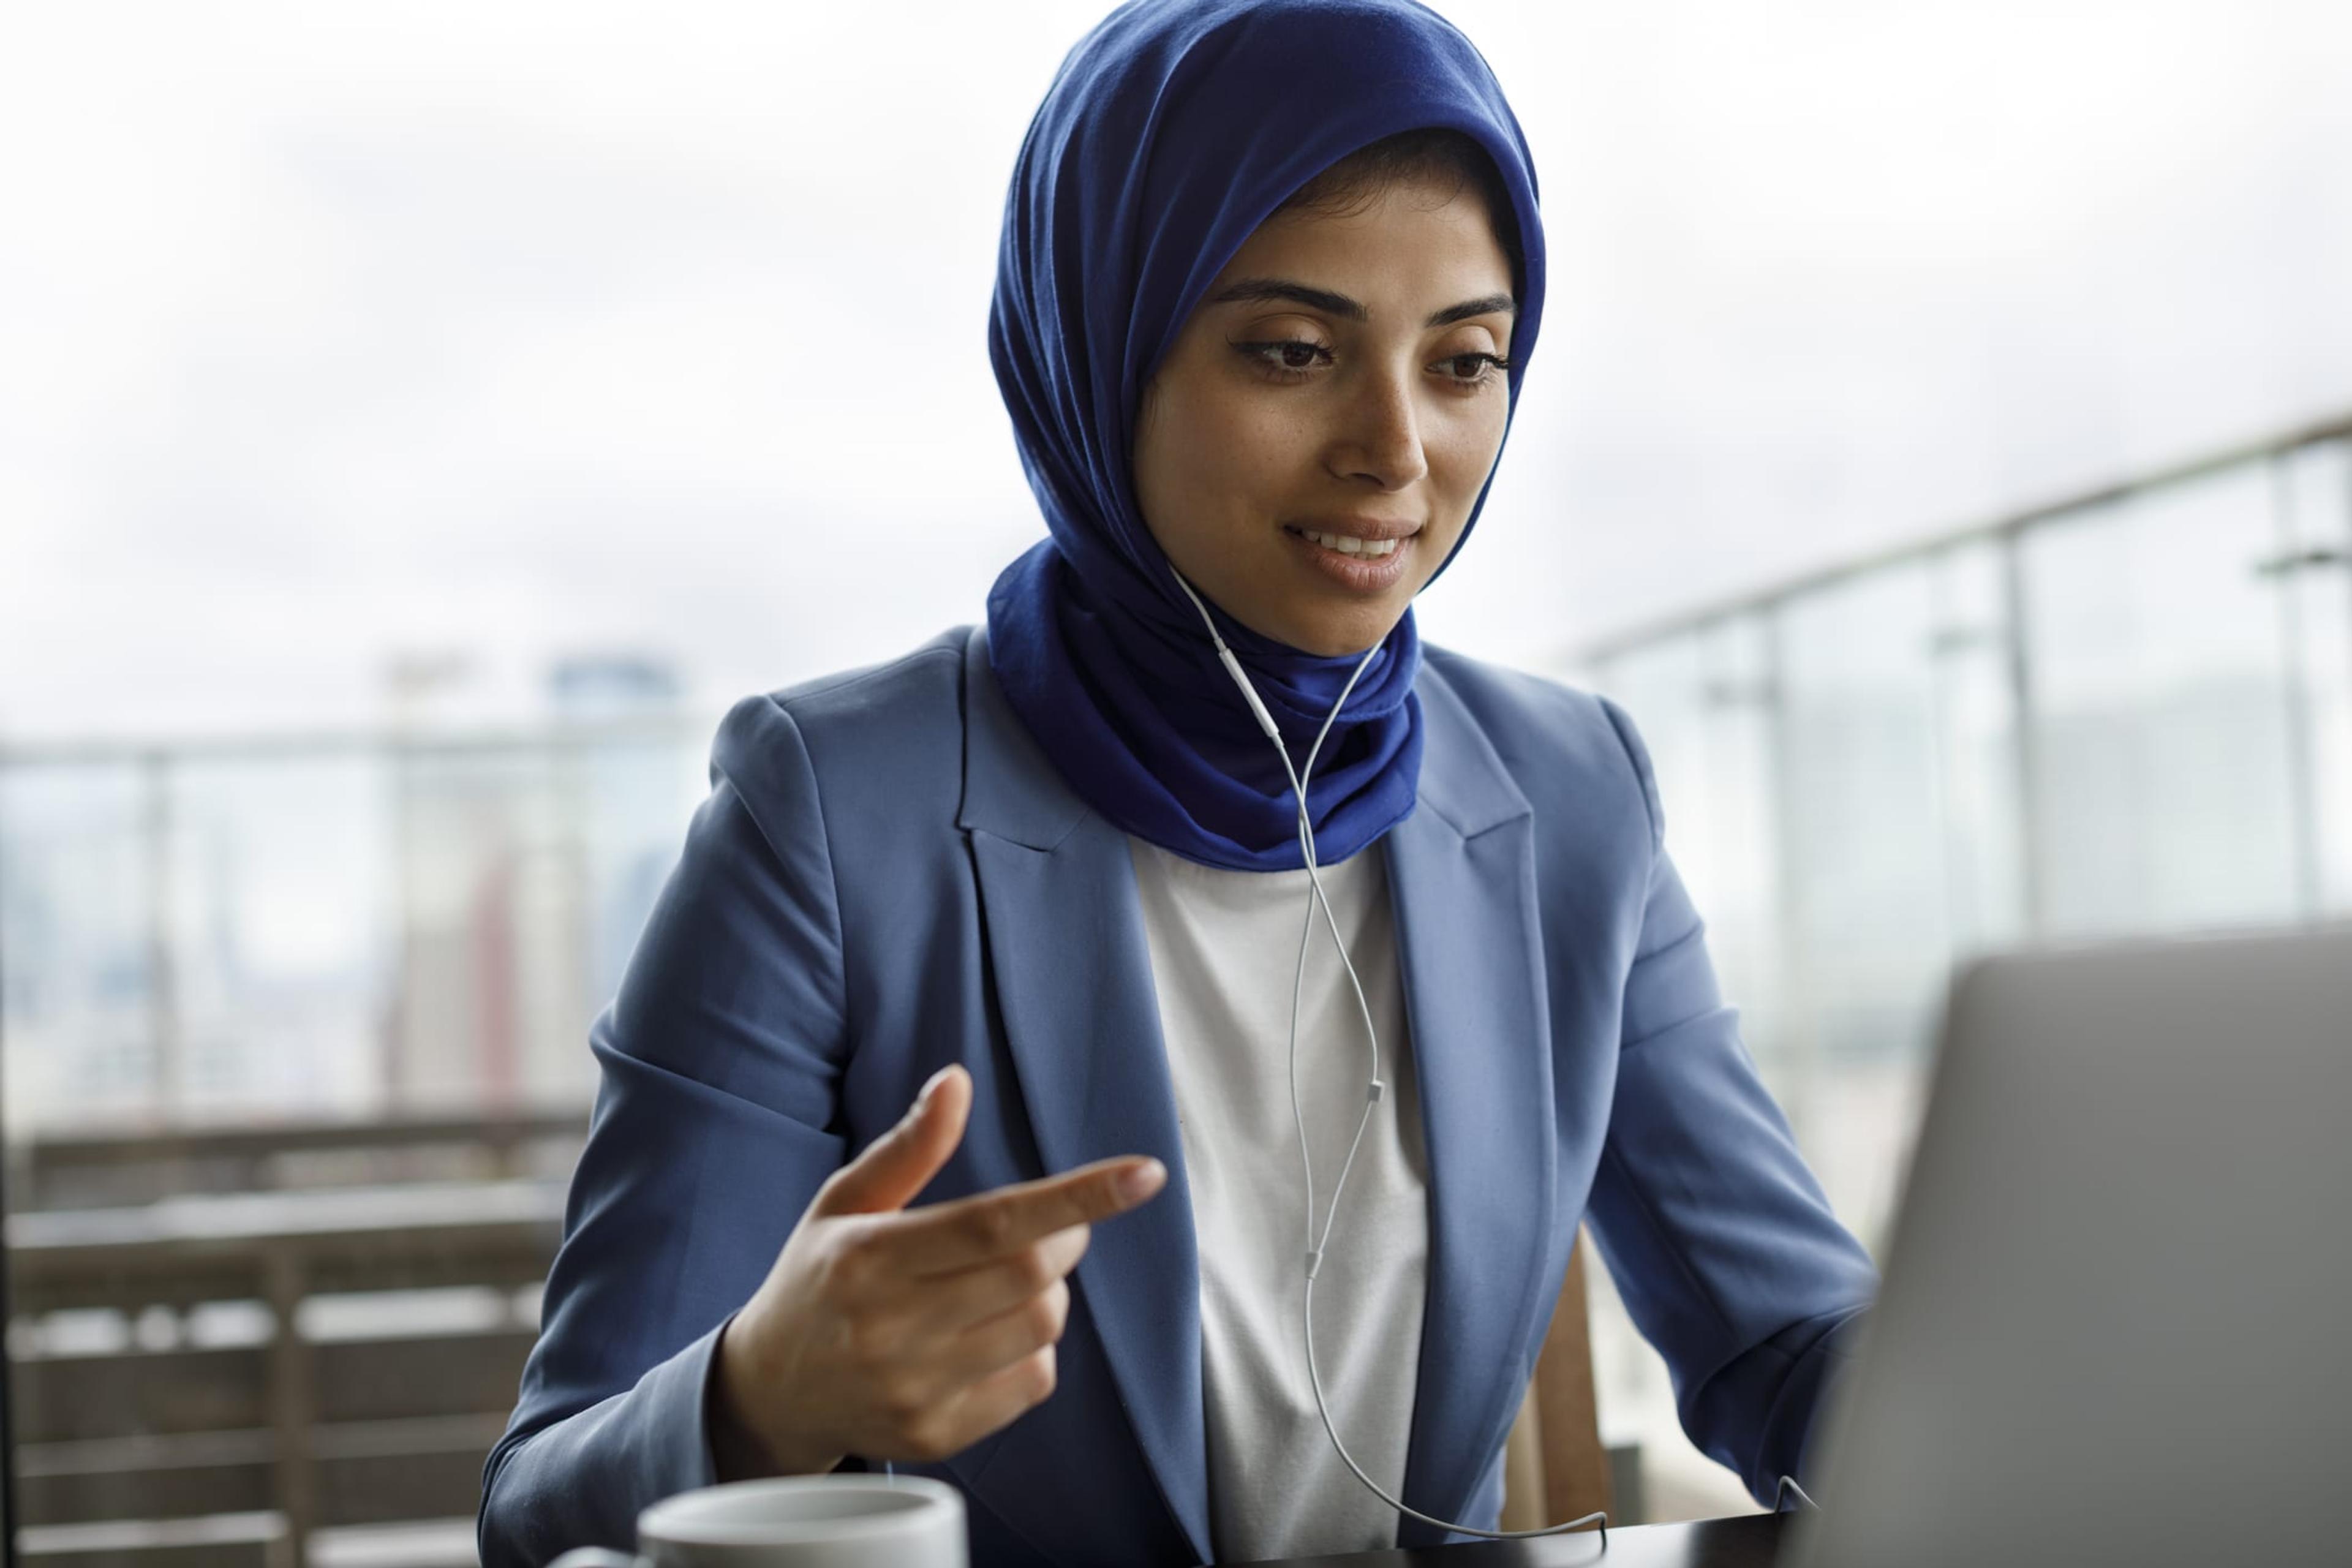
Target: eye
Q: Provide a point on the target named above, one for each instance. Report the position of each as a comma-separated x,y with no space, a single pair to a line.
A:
1286,359
1472,370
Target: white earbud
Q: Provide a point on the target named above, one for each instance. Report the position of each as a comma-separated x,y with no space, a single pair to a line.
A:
1374,1091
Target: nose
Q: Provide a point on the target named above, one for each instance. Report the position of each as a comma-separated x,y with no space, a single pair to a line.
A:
1379,437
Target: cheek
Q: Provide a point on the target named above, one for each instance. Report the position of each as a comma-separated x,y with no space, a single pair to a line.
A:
1461,449
1242,455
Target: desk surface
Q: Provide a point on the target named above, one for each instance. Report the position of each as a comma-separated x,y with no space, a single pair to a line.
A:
1752,1541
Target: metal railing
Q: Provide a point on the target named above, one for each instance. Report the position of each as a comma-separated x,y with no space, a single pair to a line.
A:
1598,651
2126,710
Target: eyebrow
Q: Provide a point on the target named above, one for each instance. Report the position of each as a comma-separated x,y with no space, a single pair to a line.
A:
1262,290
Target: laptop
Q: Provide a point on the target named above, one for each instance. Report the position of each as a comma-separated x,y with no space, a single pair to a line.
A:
2116,1324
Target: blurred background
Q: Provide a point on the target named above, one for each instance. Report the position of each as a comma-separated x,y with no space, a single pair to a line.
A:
421,421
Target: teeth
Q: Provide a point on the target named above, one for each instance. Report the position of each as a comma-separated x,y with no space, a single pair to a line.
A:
1347,545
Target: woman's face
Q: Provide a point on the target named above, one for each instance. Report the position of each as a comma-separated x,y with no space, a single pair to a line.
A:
1309,450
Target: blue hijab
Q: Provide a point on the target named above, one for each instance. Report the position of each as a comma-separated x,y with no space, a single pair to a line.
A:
1173,130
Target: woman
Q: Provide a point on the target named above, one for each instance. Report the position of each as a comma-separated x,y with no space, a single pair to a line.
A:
1271,276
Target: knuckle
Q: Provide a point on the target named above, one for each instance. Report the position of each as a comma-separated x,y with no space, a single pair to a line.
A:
990,1226
1039,1374
1034,1267
1044,1314
1059,1298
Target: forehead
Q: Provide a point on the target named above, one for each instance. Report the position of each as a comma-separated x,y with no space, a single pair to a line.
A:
1408,239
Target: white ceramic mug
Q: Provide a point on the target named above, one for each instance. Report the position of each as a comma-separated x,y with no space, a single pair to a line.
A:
797,1521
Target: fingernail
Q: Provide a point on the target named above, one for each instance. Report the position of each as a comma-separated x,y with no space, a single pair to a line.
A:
1137,1182
931,1088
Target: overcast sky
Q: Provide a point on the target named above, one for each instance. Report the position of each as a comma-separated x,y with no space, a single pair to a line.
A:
331,335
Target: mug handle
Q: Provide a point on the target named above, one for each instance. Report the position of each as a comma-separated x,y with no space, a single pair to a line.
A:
598,1557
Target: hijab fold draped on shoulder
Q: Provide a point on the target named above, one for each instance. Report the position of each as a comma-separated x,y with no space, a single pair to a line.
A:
1171,131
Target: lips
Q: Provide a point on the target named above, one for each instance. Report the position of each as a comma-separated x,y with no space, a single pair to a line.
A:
1364,555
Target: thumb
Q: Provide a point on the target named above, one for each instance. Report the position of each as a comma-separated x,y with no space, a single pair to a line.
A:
901,1163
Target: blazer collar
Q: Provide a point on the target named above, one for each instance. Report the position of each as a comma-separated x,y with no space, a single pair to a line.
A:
1073,969
1010,789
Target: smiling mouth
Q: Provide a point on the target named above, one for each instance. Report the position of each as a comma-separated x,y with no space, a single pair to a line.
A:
1348,544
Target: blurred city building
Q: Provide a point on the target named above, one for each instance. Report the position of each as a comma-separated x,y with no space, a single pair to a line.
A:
416,918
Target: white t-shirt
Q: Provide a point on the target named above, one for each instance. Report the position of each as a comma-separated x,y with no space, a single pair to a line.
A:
1224,948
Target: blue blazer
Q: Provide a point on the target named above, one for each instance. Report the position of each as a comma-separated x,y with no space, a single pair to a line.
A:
889,876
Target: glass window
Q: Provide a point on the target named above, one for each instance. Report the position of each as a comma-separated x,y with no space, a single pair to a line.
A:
2133,718
1861,794
1721,816
2162,769
1703,703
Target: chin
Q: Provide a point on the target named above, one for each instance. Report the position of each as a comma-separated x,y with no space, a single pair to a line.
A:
1343,636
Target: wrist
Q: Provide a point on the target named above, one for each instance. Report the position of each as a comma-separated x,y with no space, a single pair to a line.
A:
741,1446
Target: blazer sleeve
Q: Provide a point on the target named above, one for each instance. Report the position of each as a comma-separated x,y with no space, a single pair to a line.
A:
715,1121
1717,1237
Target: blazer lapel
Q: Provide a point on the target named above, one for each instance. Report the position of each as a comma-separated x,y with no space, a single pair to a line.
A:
1462,871
1073,972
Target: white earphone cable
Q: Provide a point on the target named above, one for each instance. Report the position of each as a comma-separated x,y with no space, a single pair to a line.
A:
1374,1089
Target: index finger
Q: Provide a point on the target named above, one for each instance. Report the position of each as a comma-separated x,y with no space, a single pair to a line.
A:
943,1238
